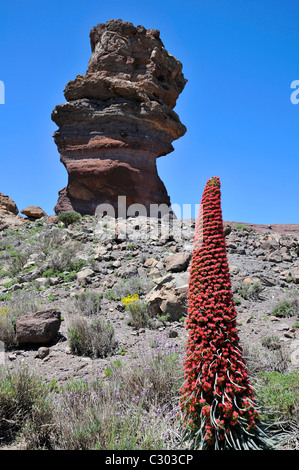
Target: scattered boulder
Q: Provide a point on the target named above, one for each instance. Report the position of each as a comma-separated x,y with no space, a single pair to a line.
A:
150,263
116,264
34,212
83,277
275,257
226,229
41,282
9,213
8,205
295,354
43,352
295,274
234,269
38,328
169,296
52,219
177,262
173,333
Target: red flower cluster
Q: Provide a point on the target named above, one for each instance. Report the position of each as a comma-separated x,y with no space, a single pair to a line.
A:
217,391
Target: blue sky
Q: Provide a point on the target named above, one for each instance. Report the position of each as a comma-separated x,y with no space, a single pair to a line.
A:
240,58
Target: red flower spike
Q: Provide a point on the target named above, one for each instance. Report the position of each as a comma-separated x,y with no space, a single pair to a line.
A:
215,373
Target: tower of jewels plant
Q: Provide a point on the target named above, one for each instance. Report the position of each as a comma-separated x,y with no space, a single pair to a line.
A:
217,399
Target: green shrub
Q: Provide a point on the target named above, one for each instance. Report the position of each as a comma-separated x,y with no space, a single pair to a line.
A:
271,342
77,265
10,283
17,262
88,302
63,259
240,227
69,217
134,284
22,396
95,339
7,330
4,273
280,395
131,247
138,316
134,408
250,291
49,273
288,306
68,277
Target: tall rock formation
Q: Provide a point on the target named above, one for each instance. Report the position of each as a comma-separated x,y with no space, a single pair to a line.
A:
118,119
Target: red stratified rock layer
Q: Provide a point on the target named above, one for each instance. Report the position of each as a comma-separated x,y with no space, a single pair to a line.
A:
118,119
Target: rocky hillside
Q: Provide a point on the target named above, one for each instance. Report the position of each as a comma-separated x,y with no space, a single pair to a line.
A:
86,269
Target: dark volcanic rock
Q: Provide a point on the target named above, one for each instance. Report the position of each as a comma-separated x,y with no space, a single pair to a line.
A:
118,120
38,328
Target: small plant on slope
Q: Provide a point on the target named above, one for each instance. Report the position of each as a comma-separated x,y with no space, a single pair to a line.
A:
217,398
137,310
69,217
